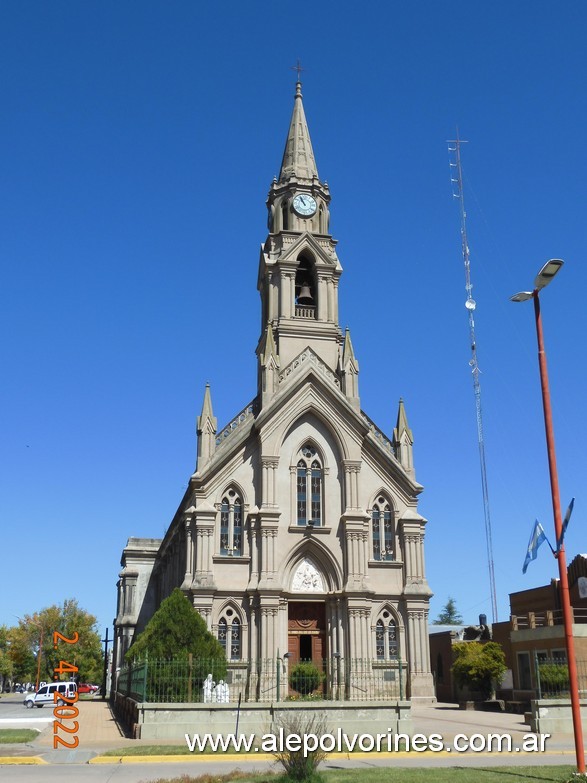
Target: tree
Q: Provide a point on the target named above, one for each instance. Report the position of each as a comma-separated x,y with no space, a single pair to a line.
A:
449,614
479,666
24,666
163,649
6,665
85,654
175,630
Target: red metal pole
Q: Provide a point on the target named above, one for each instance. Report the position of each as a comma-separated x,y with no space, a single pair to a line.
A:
562,561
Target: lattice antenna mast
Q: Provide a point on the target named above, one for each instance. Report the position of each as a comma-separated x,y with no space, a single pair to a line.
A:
456,178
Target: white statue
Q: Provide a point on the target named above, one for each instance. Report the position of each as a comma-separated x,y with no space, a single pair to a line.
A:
209,689
221,692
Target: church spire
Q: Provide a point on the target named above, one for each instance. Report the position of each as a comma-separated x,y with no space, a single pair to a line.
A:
206,429
299,270
298,156
403,440
269,366
350,371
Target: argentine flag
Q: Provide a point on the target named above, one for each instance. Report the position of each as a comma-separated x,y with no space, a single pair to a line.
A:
566,521
538,537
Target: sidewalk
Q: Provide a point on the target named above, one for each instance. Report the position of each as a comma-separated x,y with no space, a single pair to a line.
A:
97,728
449,720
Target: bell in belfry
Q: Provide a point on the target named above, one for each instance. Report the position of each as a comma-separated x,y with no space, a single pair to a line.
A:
305,297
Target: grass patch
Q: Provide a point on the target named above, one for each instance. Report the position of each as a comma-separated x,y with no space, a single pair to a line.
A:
557,774
151,750
452,775
236,775
8,736
181,750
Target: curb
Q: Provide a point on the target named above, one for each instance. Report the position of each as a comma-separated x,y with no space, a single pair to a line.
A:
360,756
31,760
207,758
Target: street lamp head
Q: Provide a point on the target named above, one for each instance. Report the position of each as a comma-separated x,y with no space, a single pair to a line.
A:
543,278
523,296
547,272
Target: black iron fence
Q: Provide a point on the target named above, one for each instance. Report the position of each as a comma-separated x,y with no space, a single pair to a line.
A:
553,678
223,682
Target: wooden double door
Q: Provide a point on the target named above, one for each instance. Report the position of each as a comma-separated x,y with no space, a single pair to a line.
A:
306,632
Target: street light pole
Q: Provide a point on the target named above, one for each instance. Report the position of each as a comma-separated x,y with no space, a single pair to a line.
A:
39,657
543,278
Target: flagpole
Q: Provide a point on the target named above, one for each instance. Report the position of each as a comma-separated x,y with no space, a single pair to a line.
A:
561,557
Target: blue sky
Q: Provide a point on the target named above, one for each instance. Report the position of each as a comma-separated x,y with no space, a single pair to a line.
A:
138,141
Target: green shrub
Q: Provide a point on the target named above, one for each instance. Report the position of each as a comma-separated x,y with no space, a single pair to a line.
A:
554,677
305,677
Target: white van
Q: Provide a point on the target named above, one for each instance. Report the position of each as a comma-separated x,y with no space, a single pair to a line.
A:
45,694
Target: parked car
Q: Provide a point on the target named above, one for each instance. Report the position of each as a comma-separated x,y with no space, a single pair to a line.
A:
86,687
45,694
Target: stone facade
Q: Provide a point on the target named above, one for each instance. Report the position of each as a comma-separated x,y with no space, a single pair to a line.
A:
299,530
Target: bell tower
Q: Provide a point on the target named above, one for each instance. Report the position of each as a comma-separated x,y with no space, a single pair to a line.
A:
298,268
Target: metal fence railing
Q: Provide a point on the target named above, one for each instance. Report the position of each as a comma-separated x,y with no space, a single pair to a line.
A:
273,679
552,678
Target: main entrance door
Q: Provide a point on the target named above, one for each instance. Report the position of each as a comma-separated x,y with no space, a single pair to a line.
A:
306,630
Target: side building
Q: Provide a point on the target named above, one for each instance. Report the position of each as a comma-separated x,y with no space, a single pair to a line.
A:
299,532
535,633
533,637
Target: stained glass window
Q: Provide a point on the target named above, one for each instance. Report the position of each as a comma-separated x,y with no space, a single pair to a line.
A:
380,640
382,532
386,644
231,525
235,640
224,527
230,637
309,487
223,633
301,493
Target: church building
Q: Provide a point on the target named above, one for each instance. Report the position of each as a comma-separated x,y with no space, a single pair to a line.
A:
299,531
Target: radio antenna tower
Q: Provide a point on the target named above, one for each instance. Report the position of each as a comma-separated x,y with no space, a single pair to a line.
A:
456,179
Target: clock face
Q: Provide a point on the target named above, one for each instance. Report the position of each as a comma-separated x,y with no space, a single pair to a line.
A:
304,204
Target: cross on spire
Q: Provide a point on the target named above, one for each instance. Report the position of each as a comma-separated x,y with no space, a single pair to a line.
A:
299,69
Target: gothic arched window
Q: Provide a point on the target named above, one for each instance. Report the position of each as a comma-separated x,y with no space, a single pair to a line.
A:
386,643
382,531
231,525
309,487
284,215
230,636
